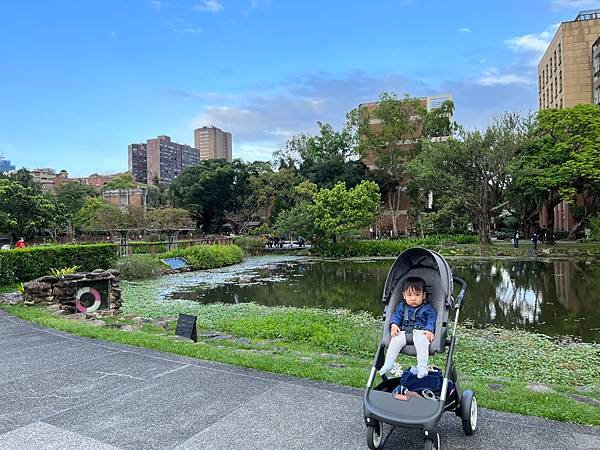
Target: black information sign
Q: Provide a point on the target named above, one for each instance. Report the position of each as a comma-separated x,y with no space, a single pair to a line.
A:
186,327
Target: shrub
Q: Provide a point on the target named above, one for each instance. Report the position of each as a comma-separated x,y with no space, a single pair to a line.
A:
251,244
388,247
29,263
139,267
64,271
595,228
208,256
143,247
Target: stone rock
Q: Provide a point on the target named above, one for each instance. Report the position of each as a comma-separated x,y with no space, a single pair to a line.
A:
305,359
37,286
59,312
92,275
98,271
11,299
587,388
76,316
335,366
495,387
539,387
97,323
180,338
73,276
586,400
242,341
48,279
130,328
54,307
114,272
220,337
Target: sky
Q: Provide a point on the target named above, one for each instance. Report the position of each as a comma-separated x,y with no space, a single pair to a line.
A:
82,79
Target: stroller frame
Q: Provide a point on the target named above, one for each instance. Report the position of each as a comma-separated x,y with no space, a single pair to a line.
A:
379,406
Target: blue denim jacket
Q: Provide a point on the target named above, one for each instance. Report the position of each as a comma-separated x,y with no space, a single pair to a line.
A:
421,318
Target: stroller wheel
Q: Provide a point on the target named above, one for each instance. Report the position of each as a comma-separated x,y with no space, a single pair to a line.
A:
432,442
374,435
468,412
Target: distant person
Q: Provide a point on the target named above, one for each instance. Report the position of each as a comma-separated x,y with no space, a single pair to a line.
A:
534,240
543,234
20,243
516,239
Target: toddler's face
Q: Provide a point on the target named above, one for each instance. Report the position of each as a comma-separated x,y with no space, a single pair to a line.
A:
413,297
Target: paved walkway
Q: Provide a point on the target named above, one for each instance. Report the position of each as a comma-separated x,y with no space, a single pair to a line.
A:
63,391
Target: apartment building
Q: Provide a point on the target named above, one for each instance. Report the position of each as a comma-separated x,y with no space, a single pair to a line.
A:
160,160
213,143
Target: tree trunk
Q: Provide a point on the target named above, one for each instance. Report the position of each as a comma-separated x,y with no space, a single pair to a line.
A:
393,213
484,228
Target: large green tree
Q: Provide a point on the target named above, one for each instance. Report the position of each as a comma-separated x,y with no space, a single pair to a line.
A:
565,163
210,189
26,211
121,181
339,210
475,166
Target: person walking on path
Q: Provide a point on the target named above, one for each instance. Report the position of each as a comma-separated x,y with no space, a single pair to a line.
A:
20,243
534,240
516,239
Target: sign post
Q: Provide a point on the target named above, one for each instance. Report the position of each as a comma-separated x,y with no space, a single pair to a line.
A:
186,327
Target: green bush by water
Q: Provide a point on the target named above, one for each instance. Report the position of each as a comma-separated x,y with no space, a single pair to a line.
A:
252,245
388,247
139,267
208,256
29,263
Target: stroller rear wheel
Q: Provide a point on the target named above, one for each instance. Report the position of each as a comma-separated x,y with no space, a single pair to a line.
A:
374,435
432,442
468,412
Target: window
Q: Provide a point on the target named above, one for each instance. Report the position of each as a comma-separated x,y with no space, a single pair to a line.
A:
560,78
550,63
546,73
559,55
551,91
556,86
539,83
554,59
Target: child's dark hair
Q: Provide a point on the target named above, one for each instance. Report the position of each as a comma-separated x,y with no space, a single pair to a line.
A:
414,283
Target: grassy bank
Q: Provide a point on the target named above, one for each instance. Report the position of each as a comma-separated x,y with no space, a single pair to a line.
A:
337,346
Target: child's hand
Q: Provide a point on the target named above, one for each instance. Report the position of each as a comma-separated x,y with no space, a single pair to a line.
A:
429,335
395,330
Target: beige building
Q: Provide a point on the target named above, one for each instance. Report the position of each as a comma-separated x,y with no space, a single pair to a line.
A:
566,71
213,143
568,75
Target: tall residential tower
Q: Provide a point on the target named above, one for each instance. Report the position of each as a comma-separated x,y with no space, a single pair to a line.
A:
213,143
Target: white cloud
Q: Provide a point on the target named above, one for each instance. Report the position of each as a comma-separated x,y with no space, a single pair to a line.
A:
112,33
535,42
182,26
492,77
464,30
559,4
155,4
209,6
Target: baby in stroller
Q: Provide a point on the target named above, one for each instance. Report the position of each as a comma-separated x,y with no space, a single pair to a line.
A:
415,316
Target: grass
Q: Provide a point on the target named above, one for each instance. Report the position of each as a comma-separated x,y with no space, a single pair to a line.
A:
8,288
337,346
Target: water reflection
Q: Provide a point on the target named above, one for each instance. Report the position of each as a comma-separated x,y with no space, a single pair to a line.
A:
553,298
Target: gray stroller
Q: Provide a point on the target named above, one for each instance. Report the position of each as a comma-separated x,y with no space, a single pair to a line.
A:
379,405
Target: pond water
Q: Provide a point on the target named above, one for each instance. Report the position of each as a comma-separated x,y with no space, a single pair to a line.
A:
554,298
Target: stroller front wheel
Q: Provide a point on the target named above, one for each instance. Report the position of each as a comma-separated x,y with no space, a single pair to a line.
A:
374,434
468,412
432,443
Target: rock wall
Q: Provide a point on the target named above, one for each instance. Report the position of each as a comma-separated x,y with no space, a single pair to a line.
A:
59,293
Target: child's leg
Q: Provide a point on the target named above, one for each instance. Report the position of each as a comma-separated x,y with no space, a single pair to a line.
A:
422,346
396,344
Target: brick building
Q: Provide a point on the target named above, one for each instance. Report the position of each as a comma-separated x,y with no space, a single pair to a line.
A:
213,143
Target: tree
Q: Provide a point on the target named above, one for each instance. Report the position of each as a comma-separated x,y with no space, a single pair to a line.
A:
565,163
121,181
72,195
474,166
387,135
339,210
169,218
210,188
25,211
98,214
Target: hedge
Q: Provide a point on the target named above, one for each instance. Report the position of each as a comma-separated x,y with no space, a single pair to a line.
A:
208,256
30,263
252,245
365,248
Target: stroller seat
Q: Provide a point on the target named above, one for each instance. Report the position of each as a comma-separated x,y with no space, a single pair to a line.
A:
438,296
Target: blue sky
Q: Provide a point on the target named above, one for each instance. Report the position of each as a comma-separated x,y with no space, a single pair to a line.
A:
81,79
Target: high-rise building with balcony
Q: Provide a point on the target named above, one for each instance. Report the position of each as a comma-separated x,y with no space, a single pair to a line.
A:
5,165
567,70
160,160
213,143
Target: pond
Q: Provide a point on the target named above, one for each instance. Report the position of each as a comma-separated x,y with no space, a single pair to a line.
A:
553,298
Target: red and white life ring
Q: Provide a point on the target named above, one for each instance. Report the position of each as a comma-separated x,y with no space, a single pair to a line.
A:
94,293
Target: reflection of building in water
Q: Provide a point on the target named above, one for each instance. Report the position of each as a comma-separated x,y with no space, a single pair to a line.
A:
512,297
564,273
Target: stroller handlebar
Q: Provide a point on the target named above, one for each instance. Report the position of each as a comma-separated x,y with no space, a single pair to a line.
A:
463,289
